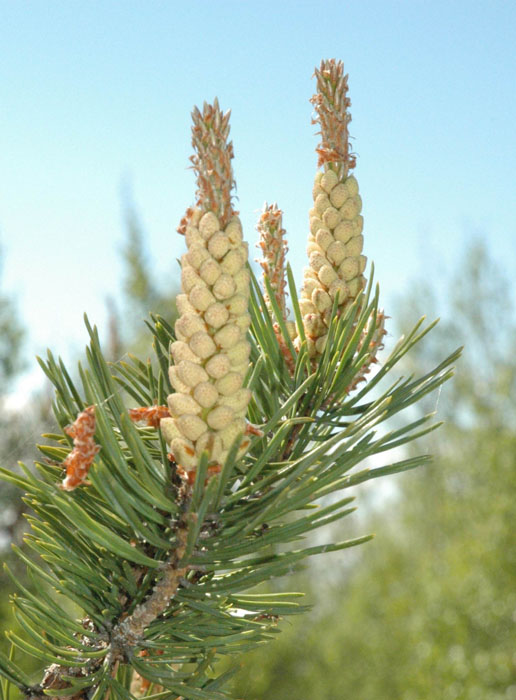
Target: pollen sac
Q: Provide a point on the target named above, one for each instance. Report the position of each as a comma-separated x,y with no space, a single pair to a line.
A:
197,255
320,343
218,245
234,231
190,278
228,335
315,224
314,247
202,345
229,434
356,285
327,275
317,189
229,384
188,324
328,180
331,217
183,451
191,426
321,300
336,252
314,325
350,209
216,315
236,401
191,374
291,329
338,195
209,442
193,236
232,262
237,305
339,287
208,225
324,238
239,354
306,306
348,270
224,287
242,282
243,322
344,231
180,351
179,404
169,429
210,271
206,394
309,286
201,297
358,225
218,366
317,260
220,417
177,384
354,246
321,203
352,185
183,305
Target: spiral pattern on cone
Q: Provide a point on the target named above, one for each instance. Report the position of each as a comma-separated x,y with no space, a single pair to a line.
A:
211,354
336,263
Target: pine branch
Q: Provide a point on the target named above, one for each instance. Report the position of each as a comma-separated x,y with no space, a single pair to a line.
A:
129,631
209,484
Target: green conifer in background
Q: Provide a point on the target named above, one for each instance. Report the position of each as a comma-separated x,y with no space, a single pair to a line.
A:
240,440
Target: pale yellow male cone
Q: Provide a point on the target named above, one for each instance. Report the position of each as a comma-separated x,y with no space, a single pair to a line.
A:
211,353
210,357
336,263
335,242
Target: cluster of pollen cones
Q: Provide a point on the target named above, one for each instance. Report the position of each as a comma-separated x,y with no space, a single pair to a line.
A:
211,354
206,412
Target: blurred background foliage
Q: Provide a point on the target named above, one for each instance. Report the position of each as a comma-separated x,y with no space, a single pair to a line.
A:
427,610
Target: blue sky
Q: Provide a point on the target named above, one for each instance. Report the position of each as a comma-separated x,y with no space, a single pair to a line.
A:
97,94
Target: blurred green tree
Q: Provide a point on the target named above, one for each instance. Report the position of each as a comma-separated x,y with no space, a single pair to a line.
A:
429,610
141,291
11,363
11,339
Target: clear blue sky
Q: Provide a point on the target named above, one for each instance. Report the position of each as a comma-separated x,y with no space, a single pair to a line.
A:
95,93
